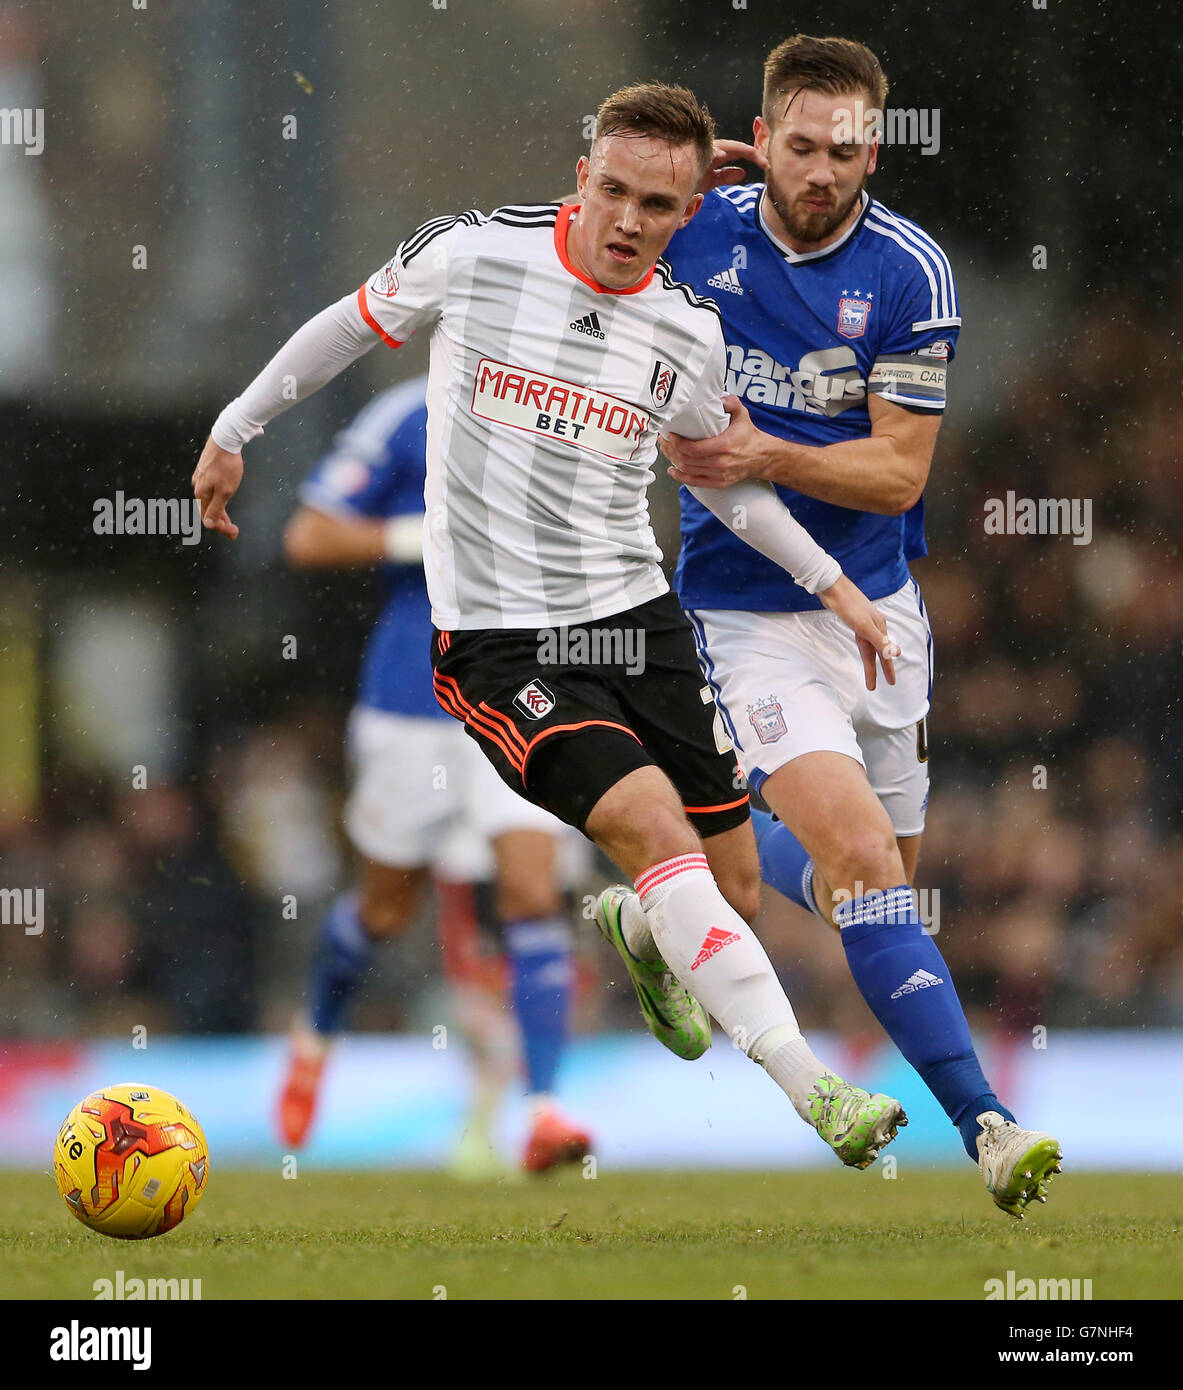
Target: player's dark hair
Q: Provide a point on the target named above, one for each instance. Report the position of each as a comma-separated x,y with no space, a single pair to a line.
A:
831,66
663,112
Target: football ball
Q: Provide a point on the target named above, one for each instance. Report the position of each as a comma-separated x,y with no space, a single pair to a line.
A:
131,1161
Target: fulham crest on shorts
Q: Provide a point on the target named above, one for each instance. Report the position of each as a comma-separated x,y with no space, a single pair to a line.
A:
534,700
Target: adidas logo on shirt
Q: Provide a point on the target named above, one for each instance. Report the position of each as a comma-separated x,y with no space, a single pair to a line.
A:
920,980
726,280
715,940
589,324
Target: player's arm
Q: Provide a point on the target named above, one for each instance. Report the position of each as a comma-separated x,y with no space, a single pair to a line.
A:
754,511
405,294
884,472
311,357
315,539
722,171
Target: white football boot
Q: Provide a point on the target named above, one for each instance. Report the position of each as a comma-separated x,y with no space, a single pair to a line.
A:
1017,1164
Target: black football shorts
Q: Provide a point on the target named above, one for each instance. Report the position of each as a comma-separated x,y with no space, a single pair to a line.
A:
564,713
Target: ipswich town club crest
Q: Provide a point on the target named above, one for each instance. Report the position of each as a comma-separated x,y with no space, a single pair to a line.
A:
768,719
661,383
852,317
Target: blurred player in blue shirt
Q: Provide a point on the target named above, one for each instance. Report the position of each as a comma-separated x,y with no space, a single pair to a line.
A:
424,801
840,319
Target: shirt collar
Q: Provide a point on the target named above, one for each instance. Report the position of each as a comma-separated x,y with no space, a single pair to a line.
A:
800,257
570,212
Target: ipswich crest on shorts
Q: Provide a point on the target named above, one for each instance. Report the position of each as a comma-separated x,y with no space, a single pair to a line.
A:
661,383
768,719
852,317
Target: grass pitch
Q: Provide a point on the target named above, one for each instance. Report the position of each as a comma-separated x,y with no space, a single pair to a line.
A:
674,1235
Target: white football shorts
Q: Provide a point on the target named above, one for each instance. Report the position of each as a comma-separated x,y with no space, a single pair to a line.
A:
423,794
792,683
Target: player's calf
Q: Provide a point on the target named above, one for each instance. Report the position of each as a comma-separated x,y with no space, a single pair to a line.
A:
735,864
388,899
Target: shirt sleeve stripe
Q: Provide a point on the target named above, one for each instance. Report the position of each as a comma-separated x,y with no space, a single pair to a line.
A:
924,242
924,265
364,309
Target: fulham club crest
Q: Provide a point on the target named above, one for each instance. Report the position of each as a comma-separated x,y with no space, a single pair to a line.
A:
852,317
661,383
534,700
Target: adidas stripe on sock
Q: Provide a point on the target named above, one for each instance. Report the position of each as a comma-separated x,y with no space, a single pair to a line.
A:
716,955
908,987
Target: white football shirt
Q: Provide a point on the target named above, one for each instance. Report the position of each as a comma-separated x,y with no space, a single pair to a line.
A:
545,398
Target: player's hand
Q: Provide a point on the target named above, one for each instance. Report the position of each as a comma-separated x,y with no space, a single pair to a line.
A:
215,481
869,626
722,171
726,458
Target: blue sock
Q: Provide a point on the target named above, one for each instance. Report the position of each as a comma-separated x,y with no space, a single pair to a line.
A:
906,983
343,955
784,865
539,953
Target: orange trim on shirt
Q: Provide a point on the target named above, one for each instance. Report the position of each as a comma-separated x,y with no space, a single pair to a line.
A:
562,223
372,321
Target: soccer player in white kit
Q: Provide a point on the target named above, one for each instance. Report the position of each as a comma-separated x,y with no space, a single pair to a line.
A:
561,347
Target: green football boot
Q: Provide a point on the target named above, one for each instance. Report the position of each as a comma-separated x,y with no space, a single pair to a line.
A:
854,1124
675,1018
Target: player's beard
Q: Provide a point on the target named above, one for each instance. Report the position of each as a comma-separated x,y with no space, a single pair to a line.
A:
804,225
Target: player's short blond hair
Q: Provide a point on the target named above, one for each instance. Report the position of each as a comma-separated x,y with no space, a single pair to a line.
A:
663,112
831,66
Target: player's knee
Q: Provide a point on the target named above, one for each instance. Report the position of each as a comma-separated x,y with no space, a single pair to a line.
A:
660,834
522,896
384,917
862,859
640,822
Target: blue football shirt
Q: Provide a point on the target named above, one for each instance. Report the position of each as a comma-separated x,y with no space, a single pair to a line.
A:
376,469
809,338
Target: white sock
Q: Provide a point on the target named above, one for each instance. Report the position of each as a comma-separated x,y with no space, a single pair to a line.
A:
788,1059
634,927
716,955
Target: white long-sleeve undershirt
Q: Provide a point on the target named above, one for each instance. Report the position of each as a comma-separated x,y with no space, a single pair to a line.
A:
756,514
336,337
310,358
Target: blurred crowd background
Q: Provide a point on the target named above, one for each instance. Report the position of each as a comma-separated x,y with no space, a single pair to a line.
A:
170,759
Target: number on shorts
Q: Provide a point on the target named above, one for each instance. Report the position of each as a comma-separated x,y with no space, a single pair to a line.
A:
722,743
922,741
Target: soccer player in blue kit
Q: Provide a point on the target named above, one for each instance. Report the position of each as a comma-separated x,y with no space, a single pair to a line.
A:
424,799
840,319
